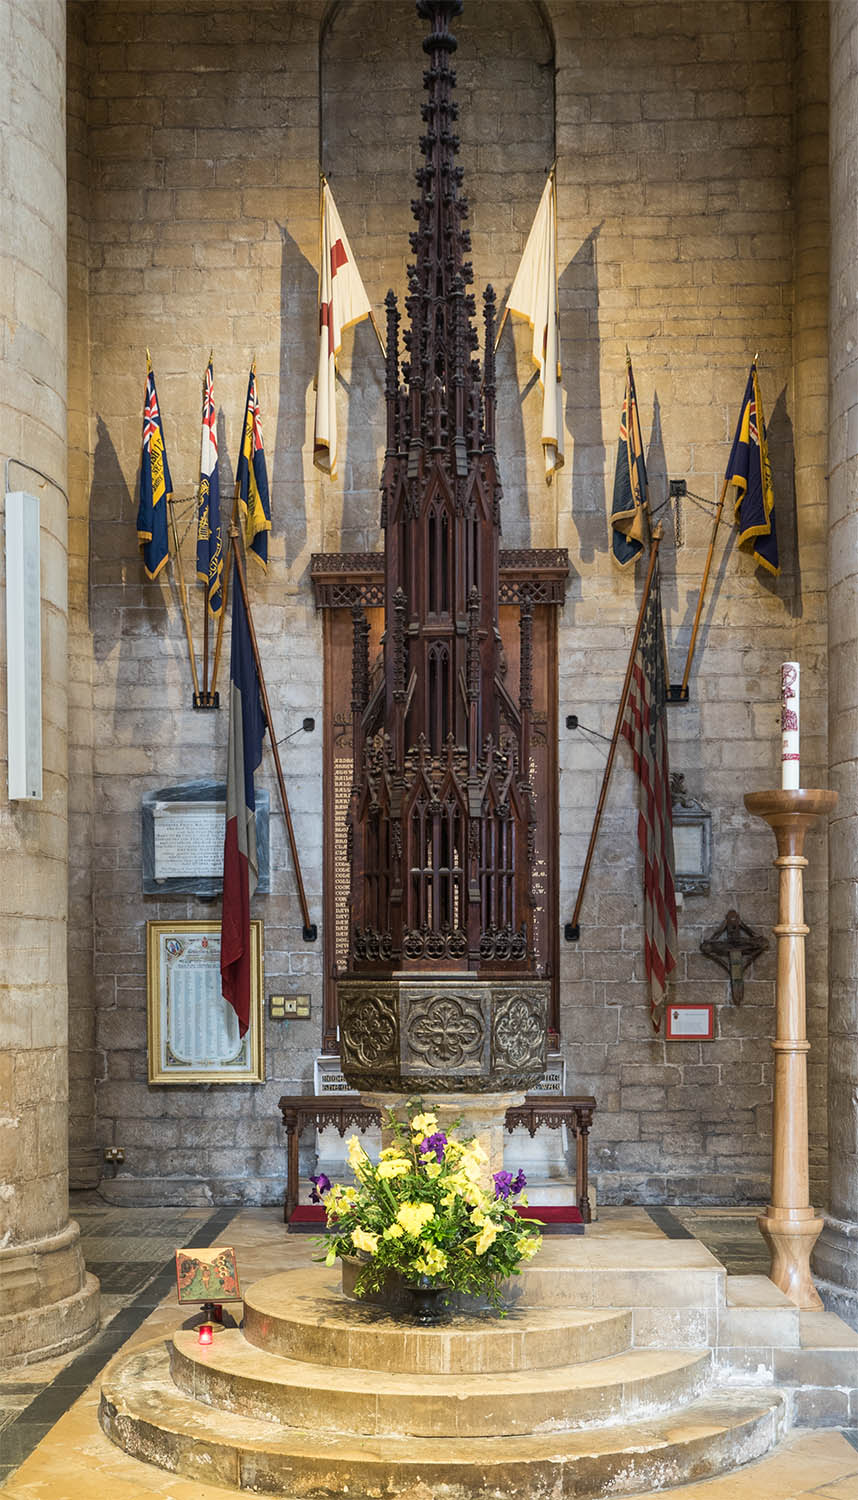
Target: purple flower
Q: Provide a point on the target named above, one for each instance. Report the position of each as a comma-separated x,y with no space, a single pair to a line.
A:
435,1143
503,1184
506,1187
321,1184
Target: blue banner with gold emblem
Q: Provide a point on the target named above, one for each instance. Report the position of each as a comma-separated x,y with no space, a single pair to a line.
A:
630,499
209,533
156,486
252,479
750,471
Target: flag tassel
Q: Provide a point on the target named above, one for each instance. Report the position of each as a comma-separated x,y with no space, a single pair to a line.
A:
572,928
309,927
706,570
176,557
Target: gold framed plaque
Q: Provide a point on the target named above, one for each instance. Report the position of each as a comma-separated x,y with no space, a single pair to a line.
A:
193,1031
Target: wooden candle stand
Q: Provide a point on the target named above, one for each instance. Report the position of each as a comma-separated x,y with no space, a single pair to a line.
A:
789,1225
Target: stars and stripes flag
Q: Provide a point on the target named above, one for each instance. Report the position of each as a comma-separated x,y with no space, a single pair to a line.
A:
247,725
252,479
750,471
209,530
644,727
630,499
342,302
533,295
156,486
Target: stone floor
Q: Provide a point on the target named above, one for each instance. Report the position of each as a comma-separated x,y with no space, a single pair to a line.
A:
51,1447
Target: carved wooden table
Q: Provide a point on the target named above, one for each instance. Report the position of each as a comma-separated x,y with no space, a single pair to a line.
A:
319,1110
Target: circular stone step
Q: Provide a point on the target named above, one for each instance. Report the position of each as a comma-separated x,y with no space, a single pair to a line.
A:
237,1377
143,1413
304,1315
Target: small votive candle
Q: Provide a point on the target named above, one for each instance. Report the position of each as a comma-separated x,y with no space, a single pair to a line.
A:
206,1333
790,764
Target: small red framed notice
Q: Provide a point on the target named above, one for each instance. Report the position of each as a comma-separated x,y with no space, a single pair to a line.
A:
690,1023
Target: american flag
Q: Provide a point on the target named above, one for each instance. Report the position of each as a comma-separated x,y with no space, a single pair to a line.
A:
645,729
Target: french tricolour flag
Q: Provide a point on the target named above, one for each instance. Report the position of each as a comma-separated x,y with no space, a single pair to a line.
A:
247,725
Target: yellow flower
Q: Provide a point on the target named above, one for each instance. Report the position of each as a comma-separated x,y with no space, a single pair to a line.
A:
487,1236
529,1246
393,1232
365,1240
390,1153
478,1218
358,1159
433,1169
394,1168
431,1261
423,1125
414,1216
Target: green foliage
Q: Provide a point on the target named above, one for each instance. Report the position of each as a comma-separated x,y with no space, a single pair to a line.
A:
424,1210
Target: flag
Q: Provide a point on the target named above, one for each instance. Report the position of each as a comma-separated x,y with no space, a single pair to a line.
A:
209,533
644,726
156,486
342,301
240,867
252,479
628,507
750,471
533,295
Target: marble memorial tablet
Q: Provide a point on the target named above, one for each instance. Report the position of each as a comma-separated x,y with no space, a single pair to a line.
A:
183,830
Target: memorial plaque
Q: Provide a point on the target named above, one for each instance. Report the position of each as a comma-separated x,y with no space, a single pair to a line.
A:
553,1080
193,1031
183,832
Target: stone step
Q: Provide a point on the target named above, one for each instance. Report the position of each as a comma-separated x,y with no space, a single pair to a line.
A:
237,1377
302,1314
142,1412
622,1271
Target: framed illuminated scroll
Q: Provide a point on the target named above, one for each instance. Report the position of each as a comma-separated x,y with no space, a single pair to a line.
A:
193,1031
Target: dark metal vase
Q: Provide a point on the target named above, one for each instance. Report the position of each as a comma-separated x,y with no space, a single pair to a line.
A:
426,1301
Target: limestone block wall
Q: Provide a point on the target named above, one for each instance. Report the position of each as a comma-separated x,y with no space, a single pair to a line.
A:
679,146
48,1303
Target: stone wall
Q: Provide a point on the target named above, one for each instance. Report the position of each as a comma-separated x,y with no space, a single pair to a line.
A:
679,146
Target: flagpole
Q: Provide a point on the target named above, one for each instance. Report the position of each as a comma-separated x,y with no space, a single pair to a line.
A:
377,333
309,927
696,626
572,929
183,597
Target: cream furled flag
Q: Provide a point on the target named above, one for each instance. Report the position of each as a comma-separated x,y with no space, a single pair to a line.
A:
342,301
534,296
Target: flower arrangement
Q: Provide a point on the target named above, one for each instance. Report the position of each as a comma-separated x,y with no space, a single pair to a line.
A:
422,1212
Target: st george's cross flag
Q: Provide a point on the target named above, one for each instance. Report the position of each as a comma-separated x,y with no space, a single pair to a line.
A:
750,471
247,725
209,531
342,302
644,726
630,498
156,486
252,479
533,295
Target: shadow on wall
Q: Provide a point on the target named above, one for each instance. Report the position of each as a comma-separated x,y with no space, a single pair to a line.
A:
782,459
579,292
514,364
299,324
661,509
361,452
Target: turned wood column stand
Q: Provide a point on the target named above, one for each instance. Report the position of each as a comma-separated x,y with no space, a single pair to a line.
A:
789,1225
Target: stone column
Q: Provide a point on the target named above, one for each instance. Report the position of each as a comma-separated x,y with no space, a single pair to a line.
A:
836,1258
48,1303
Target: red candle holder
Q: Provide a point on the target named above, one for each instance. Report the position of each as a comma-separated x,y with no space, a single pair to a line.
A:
206,1333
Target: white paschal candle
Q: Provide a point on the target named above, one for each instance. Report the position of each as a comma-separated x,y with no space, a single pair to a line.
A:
790,767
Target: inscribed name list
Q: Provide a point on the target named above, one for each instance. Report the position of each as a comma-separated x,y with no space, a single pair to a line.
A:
188,839
201,1029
